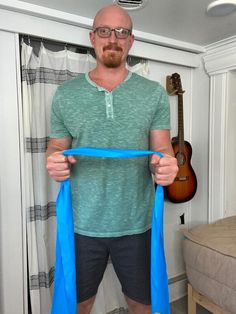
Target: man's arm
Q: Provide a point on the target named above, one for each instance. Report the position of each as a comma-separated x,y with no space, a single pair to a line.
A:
58,166
166,168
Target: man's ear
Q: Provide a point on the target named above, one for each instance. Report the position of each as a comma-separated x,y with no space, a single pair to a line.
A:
131,40
91,37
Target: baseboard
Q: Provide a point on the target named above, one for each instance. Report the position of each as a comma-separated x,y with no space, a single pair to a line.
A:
178,289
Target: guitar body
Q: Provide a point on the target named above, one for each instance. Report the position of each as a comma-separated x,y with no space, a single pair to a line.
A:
184,187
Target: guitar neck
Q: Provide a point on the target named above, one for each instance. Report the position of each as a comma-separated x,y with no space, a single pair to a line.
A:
180,123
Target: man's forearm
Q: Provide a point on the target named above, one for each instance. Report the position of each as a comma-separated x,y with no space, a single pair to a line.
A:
57,145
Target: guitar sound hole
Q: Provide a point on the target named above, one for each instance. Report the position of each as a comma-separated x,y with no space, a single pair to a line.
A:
180,159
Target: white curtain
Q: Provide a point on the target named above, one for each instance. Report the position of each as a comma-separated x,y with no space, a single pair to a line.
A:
41,74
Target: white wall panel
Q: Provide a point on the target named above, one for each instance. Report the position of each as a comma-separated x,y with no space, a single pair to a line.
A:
220,63
200,98
195,83
230,147
11,227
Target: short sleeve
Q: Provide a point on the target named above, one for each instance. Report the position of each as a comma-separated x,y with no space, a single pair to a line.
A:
161,119
58,128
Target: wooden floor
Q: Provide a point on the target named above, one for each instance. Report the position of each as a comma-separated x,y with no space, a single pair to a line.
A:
181,307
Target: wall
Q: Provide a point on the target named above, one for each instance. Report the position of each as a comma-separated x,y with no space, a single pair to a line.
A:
220,63
13,279
195,82
164,61
230,149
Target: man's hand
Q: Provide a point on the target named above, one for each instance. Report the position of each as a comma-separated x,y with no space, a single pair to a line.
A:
164,169
58,166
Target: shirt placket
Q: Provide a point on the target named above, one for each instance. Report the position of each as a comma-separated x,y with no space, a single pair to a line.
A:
109,105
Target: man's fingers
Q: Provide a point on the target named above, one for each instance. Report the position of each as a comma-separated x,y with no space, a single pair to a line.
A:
165,169
72,159
58,166
155,159
57,157
60,178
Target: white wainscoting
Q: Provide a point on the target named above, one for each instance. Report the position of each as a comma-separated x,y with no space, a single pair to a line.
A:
220,63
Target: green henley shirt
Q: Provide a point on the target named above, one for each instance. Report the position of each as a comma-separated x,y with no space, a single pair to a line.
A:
110,197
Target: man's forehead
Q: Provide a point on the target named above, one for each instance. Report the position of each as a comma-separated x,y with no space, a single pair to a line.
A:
112,14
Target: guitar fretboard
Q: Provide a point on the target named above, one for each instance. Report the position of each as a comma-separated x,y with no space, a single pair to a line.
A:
180,123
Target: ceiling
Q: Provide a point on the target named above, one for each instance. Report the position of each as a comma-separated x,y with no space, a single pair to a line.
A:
184,20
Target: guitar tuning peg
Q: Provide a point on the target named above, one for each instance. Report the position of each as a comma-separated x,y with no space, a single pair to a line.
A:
169,86
175,92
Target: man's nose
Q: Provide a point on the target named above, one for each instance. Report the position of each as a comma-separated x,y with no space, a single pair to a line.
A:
113,37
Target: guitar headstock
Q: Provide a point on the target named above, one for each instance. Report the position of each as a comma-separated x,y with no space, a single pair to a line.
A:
174,85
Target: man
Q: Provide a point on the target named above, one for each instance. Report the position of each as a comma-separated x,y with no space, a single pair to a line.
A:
112,198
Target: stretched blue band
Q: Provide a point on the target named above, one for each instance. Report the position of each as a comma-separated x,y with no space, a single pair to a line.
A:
64,297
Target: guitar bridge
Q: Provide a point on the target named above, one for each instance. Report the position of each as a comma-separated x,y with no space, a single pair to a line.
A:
182,178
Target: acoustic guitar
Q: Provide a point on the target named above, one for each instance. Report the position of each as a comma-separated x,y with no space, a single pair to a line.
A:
184,187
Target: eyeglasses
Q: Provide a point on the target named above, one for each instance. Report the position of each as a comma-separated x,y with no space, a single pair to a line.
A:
105,32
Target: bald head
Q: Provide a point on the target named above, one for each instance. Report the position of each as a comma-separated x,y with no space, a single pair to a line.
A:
114,12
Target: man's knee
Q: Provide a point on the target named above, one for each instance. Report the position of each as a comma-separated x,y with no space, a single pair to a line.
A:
85,307
137,308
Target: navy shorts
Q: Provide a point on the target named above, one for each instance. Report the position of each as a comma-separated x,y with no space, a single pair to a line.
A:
130,257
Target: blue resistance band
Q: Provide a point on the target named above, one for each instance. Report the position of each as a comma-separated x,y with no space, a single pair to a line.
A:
64,297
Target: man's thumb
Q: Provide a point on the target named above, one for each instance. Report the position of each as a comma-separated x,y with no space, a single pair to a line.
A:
72,159
155,159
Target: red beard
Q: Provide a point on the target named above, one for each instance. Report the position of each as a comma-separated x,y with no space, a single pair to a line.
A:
112,56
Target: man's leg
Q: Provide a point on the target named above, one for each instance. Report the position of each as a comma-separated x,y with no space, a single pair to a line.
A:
137,308
131,260
85,307
91,256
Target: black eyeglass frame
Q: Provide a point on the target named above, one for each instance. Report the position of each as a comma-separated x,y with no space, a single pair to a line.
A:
117,31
